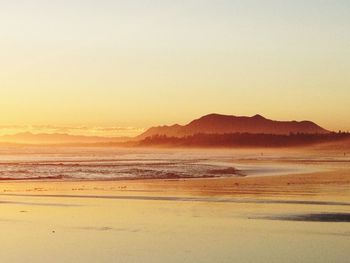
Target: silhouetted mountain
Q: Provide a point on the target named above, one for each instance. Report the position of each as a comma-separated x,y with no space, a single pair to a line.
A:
223,124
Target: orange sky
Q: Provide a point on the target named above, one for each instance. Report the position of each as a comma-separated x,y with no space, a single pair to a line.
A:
128,65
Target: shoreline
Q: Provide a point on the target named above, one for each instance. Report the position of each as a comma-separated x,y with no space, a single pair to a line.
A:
113,221
325,185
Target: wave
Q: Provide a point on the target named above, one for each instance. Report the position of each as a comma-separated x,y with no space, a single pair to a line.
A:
96,165
57,177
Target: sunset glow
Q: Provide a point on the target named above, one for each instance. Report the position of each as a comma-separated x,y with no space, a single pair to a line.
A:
145,63
174,131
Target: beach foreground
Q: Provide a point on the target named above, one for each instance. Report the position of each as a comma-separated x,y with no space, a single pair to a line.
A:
291,218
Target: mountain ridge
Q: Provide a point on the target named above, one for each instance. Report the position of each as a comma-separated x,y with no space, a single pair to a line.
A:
215,123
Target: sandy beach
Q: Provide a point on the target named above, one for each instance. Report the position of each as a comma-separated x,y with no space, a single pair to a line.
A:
287,218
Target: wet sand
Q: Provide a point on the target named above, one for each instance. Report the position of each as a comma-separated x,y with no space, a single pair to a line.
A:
290,218
326,185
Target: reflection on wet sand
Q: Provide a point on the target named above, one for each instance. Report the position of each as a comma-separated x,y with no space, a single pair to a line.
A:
177,199
316,217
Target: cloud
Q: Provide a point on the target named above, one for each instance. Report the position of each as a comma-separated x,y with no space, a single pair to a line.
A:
110,131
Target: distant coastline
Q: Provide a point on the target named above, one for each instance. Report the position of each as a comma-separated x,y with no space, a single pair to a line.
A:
209,131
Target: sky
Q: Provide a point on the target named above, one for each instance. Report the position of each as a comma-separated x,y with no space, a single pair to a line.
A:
99,65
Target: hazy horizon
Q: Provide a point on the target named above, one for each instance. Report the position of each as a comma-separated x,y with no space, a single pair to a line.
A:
99,131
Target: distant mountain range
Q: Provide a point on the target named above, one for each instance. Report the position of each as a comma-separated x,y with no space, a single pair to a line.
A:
224,128
228,124
57,138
